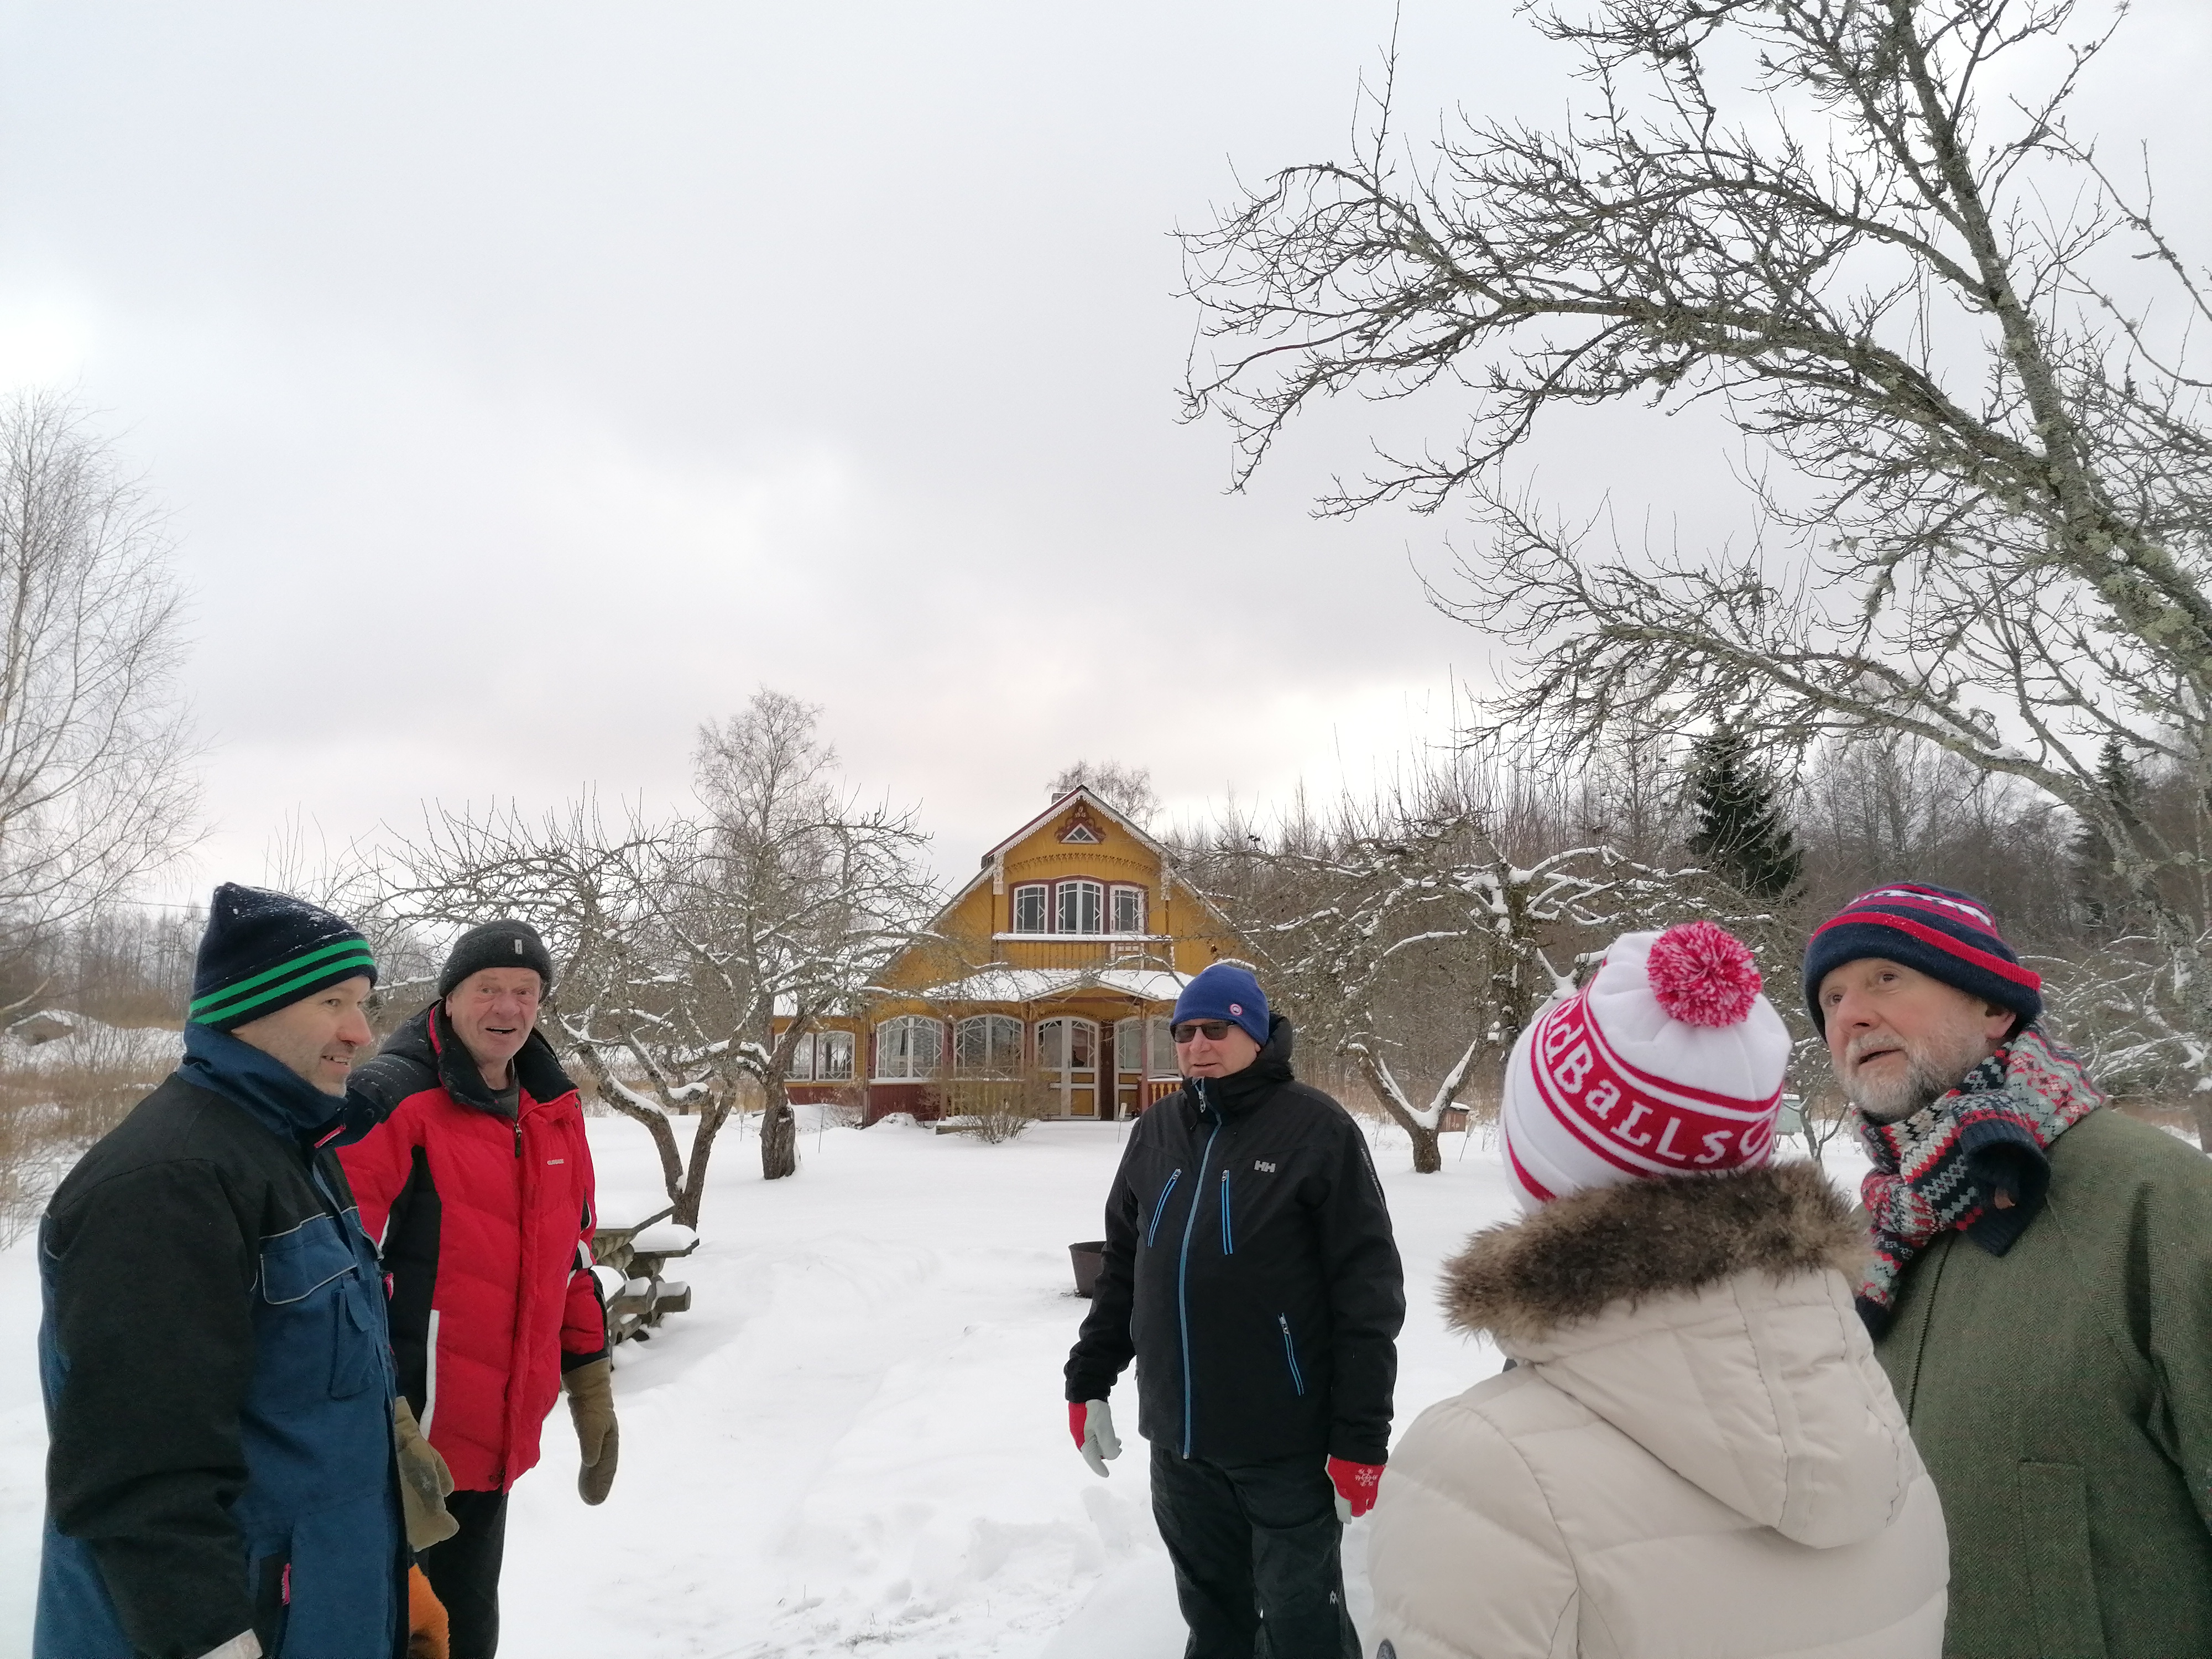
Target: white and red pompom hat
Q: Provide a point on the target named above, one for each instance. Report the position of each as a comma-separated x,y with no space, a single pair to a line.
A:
1668,1062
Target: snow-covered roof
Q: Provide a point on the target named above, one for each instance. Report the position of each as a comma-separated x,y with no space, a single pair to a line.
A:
1037,984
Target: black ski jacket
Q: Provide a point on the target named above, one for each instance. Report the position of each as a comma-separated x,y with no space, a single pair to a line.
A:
1250,1273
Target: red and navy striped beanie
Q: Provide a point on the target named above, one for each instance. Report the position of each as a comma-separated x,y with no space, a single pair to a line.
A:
1945,935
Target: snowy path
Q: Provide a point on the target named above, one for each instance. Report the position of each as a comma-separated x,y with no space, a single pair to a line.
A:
856,1443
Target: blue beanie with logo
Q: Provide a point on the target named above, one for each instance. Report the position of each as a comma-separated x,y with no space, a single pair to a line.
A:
1225,991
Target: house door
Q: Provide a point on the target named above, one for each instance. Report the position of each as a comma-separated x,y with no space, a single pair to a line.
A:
1129,1068
1067,1058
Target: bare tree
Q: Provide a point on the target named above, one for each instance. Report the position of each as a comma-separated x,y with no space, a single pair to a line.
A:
1421,920
97,787
1128,789
793,893
1924,303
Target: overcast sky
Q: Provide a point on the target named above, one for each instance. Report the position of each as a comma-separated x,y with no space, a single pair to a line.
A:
529,382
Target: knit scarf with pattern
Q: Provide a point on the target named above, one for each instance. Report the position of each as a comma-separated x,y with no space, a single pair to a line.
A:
1943,1167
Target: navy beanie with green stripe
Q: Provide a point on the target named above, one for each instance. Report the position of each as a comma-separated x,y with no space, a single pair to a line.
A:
264,950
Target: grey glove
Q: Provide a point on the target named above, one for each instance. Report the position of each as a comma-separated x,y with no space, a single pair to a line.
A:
1098,1443
592,1407
424,1480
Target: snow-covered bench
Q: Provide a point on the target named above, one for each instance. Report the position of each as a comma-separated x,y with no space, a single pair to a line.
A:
629,1261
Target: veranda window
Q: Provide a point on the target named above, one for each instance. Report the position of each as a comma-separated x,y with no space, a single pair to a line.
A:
802,1060
833,1056
988,1045
908,1047
1082,906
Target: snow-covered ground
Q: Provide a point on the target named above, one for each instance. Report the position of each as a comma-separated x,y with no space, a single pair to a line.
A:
855,1442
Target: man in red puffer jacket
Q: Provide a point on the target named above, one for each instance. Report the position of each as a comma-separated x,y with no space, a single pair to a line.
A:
477,1187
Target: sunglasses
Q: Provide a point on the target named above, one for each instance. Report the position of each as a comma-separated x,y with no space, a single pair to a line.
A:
1213,1029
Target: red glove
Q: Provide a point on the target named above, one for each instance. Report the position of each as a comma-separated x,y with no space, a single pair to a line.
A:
1355,1484
1076,1409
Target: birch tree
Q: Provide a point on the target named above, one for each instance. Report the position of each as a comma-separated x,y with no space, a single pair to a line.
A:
97,786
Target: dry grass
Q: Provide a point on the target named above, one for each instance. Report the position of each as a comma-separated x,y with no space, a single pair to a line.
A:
59,1097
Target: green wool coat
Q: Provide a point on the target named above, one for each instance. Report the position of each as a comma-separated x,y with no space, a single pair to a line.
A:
2061,1396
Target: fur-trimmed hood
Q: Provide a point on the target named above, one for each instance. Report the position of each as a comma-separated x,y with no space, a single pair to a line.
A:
1709,1318
1579,1254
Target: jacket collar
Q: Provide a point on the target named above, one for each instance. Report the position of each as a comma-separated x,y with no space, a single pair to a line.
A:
1240,1092
1578,1255
272,1093
533,1067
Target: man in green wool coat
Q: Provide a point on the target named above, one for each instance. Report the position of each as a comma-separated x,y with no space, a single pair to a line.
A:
2040,1292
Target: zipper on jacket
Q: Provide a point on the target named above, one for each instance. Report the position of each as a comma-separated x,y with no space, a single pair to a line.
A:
1291,1354
1182,1273
1228,1239
1160,1208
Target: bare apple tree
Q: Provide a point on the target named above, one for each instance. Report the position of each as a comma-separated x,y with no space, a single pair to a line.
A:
1419,933
97,784
1928,302
678,943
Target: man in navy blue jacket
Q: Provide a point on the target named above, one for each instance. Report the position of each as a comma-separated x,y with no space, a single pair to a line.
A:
1250,1272
220,1479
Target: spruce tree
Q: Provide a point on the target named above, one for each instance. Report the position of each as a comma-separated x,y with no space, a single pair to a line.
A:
1743,835
2100,901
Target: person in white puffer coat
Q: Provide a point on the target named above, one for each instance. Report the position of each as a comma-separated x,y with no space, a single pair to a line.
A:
1693,1452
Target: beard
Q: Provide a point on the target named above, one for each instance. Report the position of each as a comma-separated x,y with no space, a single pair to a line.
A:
1932,1069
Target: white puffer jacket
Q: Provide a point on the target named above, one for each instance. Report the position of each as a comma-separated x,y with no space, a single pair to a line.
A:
1696,1455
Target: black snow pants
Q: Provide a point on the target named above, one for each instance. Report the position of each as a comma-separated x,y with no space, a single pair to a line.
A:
464,1571
1258,1566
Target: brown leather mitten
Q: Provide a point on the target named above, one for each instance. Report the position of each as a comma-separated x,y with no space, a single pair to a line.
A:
591,1405
424,1480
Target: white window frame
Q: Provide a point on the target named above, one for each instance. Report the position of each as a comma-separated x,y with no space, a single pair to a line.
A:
834,1057
895,1049
801,1069
1043,891
1002,1047
1161,1032
1114,898
1077,888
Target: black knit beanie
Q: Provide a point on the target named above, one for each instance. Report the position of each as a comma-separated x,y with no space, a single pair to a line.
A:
264,951
497,944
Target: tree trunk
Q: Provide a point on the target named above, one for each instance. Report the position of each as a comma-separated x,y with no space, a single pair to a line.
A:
2201,1104
1428,1156
779,1137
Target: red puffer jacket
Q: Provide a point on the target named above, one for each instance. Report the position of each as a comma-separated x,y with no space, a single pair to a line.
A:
484,1222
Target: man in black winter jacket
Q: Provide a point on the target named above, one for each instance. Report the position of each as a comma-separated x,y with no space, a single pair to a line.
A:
1250,1272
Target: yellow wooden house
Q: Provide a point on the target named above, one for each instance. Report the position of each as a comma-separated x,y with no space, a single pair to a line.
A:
1056,967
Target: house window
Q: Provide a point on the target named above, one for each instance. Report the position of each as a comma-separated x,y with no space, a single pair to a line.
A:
1129,909
1081,905
834,1057
1129,1045
802,1060
908,1047
1029,910
1163,1046
989,1045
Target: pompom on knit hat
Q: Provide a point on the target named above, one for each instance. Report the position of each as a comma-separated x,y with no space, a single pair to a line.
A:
1668,1062
1225,991
1946,935
496,945
263,951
